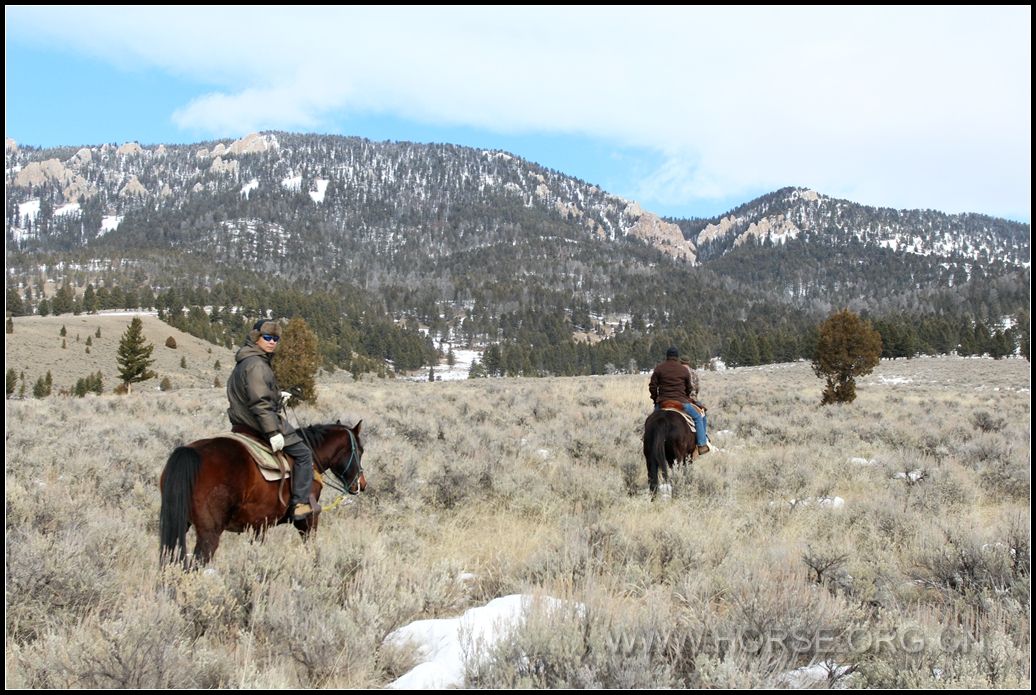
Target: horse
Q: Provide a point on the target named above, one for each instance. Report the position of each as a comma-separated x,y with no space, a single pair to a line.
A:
214,485
667,439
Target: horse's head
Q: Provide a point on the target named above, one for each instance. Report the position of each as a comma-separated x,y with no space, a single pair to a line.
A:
349,465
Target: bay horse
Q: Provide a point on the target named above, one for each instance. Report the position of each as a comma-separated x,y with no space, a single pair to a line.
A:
214,485
668,439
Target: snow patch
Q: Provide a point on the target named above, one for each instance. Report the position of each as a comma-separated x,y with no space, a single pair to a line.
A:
826,502
249,187
68,209
318,195
826,672
29,210
109,223
864,462
441,642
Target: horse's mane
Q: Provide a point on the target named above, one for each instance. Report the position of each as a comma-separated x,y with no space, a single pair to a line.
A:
316,434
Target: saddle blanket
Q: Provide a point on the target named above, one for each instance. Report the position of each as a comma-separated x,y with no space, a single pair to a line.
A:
677,408
273,466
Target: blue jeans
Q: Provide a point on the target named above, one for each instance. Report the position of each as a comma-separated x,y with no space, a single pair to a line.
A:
700,422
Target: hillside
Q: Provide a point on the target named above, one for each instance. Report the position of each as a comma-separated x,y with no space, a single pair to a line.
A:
35,348
394,248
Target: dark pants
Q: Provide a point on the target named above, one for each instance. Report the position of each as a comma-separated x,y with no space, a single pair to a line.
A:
302,472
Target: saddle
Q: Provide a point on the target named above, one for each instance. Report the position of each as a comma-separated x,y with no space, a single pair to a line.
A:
273,466
677,407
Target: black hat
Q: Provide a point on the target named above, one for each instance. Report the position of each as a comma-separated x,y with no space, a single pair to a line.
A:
672,352
264,327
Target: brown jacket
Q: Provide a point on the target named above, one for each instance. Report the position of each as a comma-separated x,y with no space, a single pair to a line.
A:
671,381
255,398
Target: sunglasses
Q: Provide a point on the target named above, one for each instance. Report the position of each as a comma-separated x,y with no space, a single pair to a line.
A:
271,338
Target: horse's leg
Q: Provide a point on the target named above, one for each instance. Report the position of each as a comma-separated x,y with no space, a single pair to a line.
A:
307,526
208,541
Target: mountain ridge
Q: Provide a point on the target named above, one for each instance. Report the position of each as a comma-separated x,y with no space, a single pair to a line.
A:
440,235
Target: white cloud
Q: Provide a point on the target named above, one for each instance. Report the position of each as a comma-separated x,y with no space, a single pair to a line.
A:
915,107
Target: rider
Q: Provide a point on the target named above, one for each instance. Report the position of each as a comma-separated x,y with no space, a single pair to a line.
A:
256,403
671,381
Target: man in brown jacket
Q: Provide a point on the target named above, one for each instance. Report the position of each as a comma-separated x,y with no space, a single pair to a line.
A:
671,381
256,403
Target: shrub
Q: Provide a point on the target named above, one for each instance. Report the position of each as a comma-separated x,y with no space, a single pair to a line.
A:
170,342
848,347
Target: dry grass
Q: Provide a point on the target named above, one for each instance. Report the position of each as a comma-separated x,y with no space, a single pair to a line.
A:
35,348
485,488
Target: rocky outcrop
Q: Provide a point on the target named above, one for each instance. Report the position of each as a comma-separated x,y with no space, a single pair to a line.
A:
81,157
221,166
130,149
253,143
664,236
133,188
73,186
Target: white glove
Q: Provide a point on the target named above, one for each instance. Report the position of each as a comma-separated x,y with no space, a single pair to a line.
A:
277,442
286,396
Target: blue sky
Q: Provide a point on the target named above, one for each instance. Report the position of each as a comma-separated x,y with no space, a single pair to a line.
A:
689,111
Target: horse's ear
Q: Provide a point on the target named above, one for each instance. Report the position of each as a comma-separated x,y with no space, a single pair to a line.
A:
357,428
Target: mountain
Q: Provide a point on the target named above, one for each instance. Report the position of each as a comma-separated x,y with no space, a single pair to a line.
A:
484,248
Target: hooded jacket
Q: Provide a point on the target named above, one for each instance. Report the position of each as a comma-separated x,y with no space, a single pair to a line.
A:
255,397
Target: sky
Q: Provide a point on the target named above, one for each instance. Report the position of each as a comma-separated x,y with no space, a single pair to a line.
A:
688,111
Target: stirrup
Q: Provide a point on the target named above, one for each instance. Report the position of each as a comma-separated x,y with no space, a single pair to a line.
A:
303,510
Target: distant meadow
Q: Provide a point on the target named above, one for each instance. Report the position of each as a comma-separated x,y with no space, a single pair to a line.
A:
881,544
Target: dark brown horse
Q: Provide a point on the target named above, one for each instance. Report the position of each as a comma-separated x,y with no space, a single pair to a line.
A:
668,439
214,485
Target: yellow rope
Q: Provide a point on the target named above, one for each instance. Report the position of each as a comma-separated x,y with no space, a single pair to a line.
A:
338,501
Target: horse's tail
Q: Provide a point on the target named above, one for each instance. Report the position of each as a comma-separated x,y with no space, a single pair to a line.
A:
181,470
654,450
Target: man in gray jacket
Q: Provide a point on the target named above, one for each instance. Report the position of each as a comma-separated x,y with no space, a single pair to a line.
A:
255,403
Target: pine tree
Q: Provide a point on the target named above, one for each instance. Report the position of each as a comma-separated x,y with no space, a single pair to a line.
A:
12,381
134,356
183,362
297,360
90,300
15,305
848,347
39,389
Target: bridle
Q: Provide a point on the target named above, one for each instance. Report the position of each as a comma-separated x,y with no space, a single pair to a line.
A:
354,462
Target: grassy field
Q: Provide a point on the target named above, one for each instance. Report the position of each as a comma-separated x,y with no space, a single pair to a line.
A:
891,536
35,348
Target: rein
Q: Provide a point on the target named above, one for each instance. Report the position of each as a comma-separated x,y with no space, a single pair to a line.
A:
353,456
